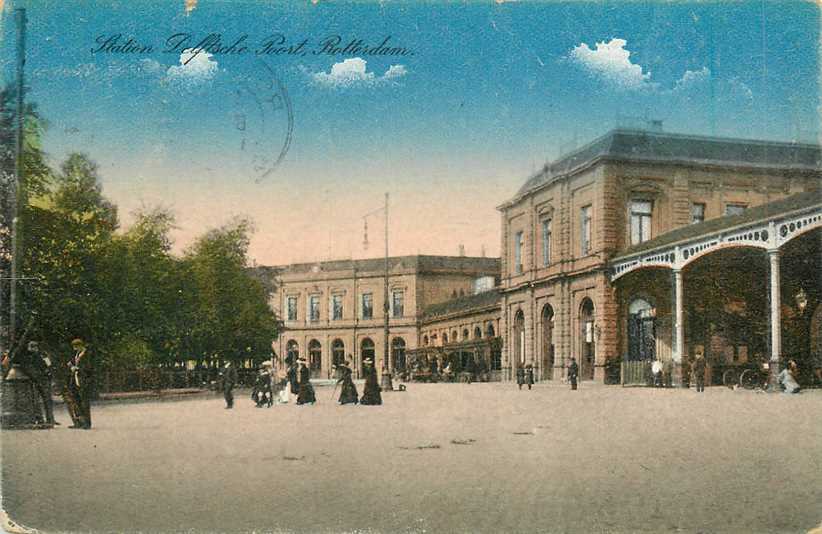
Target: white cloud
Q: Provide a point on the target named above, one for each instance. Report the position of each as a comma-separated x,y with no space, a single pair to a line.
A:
195,67
611,62
352,73
692,78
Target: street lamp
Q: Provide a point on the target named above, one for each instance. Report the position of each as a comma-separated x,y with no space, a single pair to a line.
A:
386,360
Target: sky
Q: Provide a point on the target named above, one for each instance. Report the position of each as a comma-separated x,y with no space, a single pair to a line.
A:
472,98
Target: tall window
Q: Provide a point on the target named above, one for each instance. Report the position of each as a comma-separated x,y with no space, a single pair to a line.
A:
640,221
546,242
519,245
697,212
291,305
734,209
585,229
397,303
336,307
367,306
314,308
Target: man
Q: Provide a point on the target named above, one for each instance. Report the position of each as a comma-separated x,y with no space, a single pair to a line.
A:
529,375
520,376
229,381
371,391
80,384
573,372
698,368
37,366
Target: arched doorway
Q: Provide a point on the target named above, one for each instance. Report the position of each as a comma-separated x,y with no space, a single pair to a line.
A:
337,352
547,329
587,349
641,331
292,352
518,336
315,357
477,332
398,353
366,352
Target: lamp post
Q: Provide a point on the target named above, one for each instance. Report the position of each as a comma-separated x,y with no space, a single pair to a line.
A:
386,383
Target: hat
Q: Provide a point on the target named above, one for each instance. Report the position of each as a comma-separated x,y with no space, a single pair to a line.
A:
368,360
77,341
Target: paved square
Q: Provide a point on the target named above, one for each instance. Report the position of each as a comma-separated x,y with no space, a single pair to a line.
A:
437,458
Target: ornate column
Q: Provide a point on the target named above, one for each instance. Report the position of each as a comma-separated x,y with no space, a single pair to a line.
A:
679,327
776,320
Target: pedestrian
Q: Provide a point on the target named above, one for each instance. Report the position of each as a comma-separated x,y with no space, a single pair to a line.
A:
262,394
573,372
305,393
529,375
229,381
293,379
520,376
698,368
371,391
279,383
81,375
787,378
37,365
348,393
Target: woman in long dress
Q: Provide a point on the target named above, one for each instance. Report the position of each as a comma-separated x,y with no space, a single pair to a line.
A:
348,394
305,394
371,392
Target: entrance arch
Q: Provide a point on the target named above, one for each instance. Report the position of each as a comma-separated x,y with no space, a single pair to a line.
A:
547,345
315,357
587,345
398,353
641,331
337,351
518,337
366,352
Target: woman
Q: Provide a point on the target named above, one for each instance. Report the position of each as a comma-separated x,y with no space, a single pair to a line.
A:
305,394
371,392
787,378
348,394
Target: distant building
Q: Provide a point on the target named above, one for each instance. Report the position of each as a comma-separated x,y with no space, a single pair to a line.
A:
334,309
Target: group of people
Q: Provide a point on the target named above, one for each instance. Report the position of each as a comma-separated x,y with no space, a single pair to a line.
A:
76,391
293,381
525,375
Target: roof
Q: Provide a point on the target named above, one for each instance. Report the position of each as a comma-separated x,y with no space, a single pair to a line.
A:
648,146
468,303
417,263
789,204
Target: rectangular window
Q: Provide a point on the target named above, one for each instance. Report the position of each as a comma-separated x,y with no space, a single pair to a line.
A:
519,245
697,212
336,307
640,221
585,230
367,306
314,308
291,305
546,242
734,209
397,303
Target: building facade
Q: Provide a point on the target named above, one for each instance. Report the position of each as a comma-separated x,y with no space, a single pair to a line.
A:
334,310
566,225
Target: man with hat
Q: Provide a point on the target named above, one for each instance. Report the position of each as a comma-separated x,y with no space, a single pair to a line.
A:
305,394
573,372
371,391
80,383
229,381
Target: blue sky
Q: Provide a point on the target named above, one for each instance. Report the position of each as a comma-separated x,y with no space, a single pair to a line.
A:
489,92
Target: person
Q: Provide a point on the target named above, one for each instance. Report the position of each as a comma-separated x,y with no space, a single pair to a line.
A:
434,369
529,375
229,381
279,383
520,376
573,372
371,391
37,366
698,368
80,384
292,379
348,393
656,369
262,394
305,393
817,367
787,378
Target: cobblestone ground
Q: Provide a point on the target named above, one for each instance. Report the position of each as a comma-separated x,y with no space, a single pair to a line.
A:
437,458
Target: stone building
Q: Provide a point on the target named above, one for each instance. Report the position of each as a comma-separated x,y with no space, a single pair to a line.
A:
571,230
334,309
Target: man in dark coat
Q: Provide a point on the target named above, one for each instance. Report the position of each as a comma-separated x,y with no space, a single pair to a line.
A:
529,375
371,391
348,394
81,376
573,373
229,381
37,367
698,367
520,376
305,395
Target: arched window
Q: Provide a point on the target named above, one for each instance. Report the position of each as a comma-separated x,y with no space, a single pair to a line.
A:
547,346
465,334
519,339
444,339
425,340
453,336
366,352
489,332
398,353
588,348
337,351
477,332
292,352
315,356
